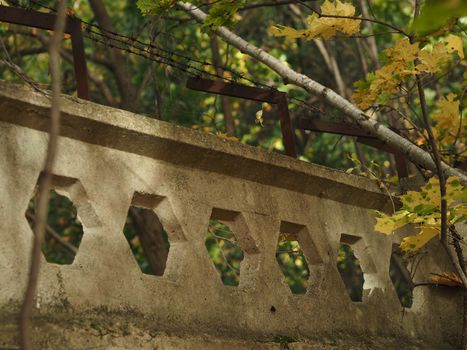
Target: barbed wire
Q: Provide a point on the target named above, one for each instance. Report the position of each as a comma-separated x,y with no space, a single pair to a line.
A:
153,49
181,62
5,58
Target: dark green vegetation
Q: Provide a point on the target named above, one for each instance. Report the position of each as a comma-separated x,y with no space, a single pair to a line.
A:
225,252
64,231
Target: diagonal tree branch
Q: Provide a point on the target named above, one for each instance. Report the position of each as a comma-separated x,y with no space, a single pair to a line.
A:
411,151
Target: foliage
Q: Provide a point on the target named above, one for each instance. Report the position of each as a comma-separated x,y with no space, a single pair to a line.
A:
449,127
405,60
351,272
439,13
320,26
423,208
224,252
293,264
221,13
155,8
63,220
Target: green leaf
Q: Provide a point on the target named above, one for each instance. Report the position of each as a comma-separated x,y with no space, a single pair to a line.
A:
424,209
155,7
223,13
436,13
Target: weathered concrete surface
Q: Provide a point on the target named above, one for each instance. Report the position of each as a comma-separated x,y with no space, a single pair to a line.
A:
109,159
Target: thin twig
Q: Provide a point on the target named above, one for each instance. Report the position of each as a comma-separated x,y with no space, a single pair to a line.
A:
398,30
436,158
7,61
54,234
430,284
45,180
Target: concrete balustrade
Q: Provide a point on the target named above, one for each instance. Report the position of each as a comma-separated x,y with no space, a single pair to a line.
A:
109,159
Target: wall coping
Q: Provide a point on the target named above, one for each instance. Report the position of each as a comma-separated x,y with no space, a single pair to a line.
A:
119,129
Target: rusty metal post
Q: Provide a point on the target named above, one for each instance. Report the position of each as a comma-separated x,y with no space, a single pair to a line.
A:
362,137
254,94
288,134
46,21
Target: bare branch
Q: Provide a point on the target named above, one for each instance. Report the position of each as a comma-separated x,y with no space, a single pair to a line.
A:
54,234
45,181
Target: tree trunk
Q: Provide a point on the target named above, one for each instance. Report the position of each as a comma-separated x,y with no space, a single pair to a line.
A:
128,92
151,235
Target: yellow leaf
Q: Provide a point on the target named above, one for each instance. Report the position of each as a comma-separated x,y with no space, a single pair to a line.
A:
226,136
259,115
322,26
461,210
449,279
386,79
415,242
259,118
430,62
389,224
403,51
288,32
447,120
422,208
364,99
327,27
227,76
454,44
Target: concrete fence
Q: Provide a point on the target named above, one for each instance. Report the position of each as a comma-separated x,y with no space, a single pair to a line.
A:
109,159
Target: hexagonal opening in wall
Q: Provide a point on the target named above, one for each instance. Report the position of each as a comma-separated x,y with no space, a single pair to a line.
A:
401,277
64,230
349,267
294,251
148,240
223,246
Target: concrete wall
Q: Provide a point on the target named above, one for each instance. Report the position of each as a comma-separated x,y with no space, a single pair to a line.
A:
109,159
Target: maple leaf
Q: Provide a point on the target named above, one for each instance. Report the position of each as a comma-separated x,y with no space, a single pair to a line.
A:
423,209
321,26
156,8
415,242
385,81
403,51
363,99
389,224
448,123
362,96
430,62
454,44
288,32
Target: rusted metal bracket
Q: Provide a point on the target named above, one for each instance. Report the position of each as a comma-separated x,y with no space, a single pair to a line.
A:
362,137
46,21
256,94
